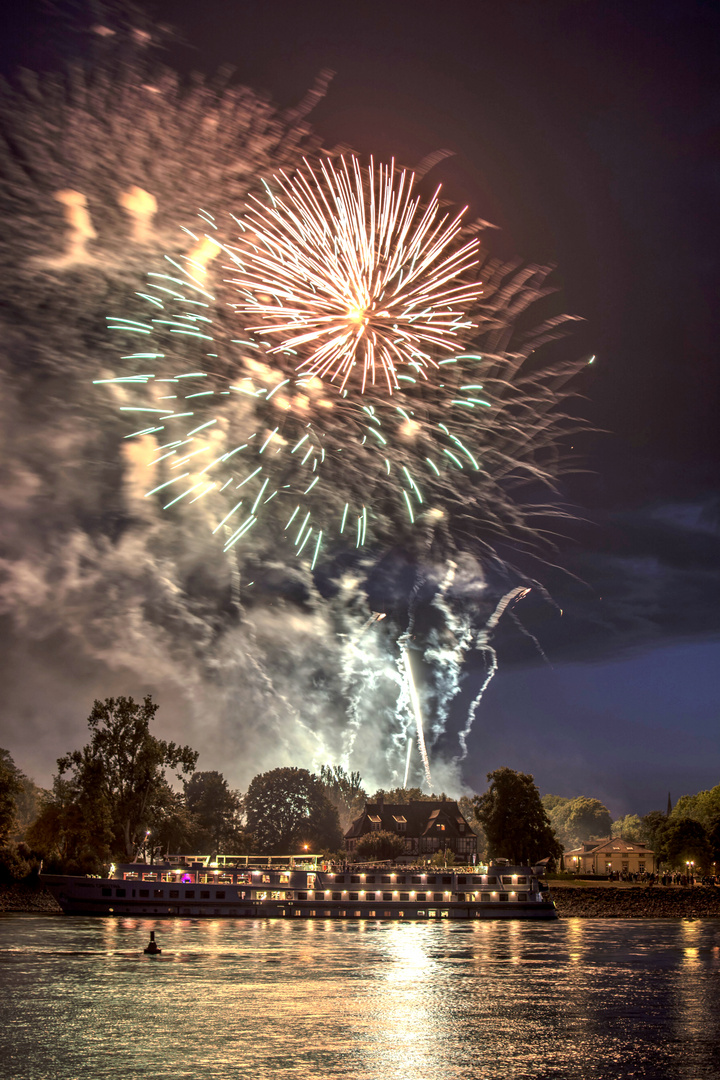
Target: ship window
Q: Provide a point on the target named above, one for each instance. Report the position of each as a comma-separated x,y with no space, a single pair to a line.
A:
220,894
385,880
492,881
120,892
420,913
298,912
107,892
371,914
437,896
422,896
204,894
337,896
432,913
405,896
477,881
189,894
266,878
504,896
370,879
431,879
387,896
302,896
485,896
284,879
387,914
447,881
355,879
354,896
461,896
327,914
144,892
417,881
174,894
522,896
507,881
158,894
462,880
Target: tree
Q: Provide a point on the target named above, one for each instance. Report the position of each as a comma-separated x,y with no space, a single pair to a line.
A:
576,820
10,788
587,819
465,804
654,826
514,819
29,802
287,810
73,830
378,846
629,828
123,768
713,835
345,792
686,840
214,813
402,796
703,807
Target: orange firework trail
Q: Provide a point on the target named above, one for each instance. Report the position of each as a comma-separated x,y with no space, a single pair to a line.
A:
347,266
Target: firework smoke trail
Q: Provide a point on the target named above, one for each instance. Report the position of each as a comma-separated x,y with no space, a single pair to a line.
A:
483,644
417,713
446,659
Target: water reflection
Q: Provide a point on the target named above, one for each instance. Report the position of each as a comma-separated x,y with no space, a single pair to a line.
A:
377,1001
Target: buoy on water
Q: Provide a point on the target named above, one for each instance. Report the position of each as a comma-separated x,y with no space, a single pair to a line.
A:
152,948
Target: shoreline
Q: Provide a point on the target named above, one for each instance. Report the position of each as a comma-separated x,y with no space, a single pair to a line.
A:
636,901
571,901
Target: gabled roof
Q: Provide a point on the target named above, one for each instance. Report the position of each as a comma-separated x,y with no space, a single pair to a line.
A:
609,845
420,817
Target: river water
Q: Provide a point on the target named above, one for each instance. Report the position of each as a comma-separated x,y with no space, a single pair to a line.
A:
577,998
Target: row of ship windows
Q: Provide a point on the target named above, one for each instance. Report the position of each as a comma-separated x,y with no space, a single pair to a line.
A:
403,897
430,879
338,879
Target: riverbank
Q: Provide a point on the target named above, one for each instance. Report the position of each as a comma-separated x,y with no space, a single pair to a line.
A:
635,901
32,899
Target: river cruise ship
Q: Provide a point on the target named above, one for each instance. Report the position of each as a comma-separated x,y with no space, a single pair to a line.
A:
276,887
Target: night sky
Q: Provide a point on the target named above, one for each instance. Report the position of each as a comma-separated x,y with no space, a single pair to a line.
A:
588,133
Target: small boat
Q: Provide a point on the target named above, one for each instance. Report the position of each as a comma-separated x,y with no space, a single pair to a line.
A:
281,887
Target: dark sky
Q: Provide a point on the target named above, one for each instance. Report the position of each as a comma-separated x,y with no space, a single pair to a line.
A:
589,133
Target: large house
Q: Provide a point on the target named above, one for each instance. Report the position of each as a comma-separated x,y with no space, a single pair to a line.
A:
613,855
426,827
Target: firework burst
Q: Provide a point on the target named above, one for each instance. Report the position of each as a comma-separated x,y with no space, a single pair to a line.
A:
248,433
227,414
348,267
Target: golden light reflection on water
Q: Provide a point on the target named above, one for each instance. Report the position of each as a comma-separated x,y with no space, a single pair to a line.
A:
362,1001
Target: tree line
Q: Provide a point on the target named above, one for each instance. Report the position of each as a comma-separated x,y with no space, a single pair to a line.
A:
127,793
